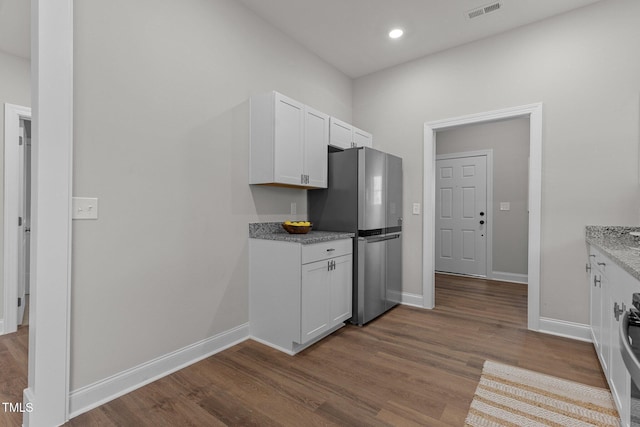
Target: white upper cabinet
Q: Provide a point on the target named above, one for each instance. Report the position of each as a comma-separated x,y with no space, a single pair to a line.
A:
316,140
288,142
343,135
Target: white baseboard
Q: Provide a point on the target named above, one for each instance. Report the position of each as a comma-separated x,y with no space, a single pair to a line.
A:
509,277
1,326
413,300
86,398
576,331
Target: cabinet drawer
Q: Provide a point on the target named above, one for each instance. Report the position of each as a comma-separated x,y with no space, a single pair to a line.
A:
326,250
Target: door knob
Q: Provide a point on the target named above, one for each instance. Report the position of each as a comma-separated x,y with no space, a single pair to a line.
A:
481,213
481,222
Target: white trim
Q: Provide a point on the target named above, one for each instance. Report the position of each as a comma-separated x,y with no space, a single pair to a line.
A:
534,113
502,276
103,391
1,326
12,116
562,328
52,161
413,300
489,194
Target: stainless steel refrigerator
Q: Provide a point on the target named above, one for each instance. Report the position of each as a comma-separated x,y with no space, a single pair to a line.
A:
364,196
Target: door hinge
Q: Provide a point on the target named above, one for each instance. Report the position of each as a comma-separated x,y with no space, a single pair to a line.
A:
19,140
19,302
19,221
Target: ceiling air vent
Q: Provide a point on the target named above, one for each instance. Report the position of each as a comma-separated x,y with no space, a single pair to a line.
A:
483,10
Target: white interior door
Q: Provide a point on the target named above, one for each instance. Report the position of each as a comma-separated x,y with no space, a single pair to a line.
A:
461,215
22,208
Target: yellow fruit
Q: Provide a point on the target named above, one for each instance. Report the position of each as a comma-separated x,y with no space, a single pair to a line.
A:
287,222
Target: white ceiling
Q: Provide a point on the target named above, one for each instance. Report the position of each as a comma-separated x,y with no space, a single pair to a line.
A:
15,27
352,34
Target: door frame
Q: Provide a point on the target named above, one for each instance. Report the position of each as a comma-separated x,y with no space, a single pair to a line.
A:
12,116
47,392
489,208
534,113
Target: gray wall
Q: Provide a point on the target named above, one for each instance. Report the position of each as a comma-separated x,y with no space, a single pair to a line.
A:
509,140
15,88
161,138
584,66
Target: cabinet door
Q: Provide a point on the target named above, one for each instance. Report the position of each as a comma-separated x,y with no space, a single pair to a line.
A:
314,304
341,290
289,134
623,286
595,309
340,134
362,138
607,325
316,141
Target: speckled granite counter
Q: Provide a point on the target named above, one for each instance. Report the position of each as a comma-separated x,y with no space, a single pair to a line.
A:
616,243
274,231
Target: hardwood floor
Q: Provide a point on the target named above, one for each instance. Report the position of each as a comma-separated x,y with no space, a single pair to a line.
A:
408,367
13,373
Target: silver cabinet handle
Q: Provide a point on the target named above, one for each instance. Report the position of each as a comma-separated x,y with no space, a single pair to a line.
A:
330,249
618,310
597,281
588,267
602,263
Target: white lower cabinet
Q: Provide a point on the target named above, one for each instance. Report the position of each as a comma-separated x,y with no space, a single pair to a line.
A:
611,294
298,293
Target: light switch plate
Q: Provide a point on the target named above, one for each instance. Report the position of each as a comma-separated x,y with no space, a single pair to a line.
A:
85,208
416,208
505,206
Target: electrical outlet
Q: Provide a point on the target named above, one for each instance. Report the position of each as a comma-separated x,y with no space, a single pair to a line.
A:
505,206
416,208
294,208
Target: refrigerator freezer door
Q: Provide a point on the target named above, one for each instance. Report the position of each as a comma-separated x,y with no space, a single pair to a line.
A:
379,277
371,279
394,193
394,270
372,191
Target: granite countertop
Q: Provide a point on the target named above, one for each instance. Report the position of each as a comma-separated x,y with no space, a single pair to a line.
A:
617,244
274,231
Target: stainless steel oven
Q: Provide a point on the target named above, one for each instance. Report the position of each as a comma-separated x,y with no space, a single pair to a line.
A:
630,349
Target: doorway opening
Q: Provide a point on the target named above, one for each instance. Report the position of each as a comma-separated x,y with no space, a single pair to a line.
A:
534,113
17,215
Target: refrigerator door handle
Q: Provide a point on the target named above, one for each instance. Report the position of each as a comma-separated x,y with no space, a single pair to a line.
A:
380,239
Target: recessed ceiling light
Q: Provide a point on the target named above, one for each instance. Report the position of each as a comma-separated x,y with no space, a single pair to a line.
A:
396,33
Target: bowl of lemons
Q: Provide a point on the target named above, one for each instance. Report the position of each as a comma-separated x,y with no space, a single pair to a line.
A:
297,227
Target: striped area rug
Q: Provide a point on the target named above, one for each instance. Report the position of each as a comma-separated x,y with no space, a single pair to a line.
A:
510,396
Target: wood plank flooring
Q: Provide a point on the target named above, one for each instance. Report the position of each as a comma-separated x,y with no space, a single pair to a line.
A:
13,373
408,367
